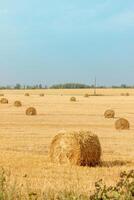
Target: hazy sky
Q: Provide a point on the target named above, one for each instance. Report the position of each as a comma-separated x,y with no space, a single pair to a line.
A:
52,41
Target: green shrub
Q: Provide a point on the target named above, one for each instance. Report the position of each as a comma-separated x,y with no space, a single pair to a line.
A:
124,189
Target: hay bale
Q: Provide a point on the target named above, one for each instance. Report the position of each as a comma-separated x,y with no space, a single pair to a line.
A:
73,99
76,148
1,95
42,95
17,104
125,94
122,124
86,95
4,101
27,94
109,114
31,111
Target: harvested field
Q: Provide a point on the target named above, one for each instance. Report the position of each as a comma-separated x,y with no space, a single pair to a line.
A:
25,140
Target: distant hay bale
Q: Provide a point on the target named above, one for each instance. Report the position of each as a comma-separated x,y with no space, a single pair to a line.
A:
109,114
76,148
1,95
27,94
86,95
73,99
122,124
31,111
41,95
4,101
125,94
17,104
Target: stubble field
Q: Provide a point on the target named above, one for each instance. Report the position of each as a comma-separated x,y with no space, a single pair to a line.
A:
25,140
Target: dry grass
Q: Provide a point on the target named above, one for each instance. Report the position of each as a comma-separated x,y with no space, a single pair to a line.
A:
25,140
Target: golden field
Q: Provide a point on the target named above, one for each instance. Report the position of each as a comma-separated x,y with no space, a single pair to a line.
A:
25,140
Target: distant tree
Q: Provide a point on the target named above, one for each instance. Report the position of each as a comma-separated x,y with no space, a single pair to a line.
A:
123,86
17,86
40,86
115,86
69,86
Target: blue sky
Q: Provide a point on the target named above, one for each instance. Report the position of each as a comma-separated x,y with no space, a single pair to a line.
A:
60,41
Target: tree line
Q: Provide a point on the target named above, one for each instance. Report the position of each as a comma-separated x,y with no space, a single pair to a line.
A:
18,86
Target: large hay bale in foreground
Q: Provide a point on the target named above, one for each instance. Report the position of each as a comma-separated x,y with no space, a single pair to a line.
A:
73,99
4,101
27,94
76,148
109,114
17,104
31,111
122,124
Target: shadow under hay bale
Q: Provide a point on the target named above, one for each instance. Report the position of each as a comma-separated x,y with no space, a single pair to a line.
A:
17,104
73,99
122,124
4,101
76,148
115,163
31,111
109,114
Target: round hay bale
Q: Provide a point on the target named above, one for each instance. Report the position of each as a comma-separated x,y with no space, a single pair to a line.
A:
27,94
127,94
73,99
1,95
122,124
86,95
109,114
31,111
4,101
76,148
17,104
42,95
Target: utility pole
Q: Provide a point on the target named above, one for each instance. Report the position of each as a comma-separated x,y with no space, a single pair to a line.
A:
95,86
